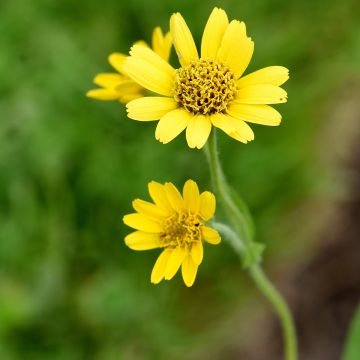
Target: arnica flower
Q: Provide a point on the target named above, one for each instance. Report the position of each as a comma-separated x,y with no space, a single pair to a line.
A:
175,223
206,90
118,86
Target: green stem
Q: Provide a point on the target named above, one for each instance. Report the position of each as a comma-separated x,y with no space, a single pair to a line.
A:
240,222
222,189
281,308
231,236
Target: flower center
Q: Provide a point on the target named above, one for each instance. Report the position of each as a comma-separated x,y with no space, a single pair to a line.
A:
205,87
181,230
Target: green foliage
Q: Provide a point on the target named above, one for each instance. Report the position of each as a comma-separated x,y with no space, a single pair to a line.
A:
254,254
352,349
70,166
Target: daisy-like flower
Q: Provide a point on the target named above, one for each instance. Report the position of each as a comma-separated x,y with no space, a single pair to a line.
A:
206,90
119,86
175,223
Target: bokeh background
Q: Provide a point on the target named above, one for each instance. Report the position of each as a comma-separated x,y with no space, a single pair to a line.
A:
70,166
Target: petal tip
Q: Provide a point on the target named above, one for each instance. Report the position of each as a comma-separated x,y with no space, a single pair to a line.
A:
155,281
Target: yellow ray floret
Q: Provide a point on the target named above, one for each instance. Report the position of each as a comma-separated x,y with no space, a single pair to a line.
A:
209,90
175,223
119,86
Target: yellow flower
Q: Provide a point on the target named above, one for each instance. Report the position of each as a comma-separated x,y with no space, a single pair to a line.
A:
206,91
118,86
175,223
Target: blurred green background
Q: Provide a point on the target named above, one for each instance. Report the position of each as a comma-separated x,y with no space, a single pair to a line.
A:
70,166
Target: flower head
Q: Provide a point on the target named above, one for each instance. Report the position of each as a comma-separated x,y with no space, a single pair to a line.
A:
119,86
175,223
208,90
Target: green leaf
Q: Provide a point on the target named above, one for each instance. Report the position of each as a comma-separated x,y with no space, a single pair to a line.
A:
352,346
250,228
253,254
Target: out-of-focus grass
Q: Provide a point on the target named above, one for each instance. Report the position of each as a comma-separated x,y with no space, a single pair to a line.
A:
70,166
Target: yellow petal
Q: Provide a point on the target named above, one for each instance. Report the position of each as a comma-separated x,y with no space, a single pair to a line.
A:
171,125
213,33
197,252
158,194
142,223
116,60
149,209
158,271
272,75
207,205
167,44
174,262
257,114
198,131
161,44
125,98
150,108
261,94
173,195
191,196
157,39
108,80
102,94
189,270
128,86
140,240
235,128
243,132
183,41
141,43
223,122
150,70
210,235
148,55
236,48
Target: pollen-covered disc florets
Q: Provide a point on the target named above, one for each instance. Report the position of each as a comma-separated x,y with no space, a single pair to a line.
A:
205,87
181,229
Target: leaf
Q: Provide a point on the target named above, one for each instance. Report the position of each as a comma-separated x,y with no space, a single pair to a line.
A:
352,345
253,254
250,228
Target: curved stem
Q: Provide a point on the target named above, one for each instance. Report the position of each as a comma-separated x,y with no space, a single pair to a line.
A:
241,223
281,308
222,189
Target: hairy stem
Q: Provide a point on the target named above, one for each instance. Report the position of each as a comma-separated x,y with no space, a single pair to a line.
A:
242,243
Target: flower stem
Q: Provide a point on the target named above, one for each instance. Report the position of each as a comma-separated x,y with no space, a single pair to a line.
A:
281,308
222,189
241,221
230,235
